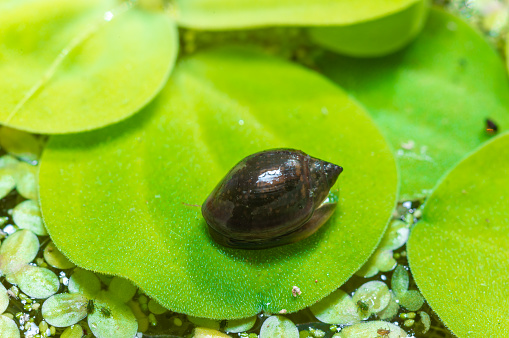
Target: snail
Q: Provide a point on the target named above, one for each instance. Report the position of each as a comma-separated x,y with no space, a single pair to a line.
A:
269,199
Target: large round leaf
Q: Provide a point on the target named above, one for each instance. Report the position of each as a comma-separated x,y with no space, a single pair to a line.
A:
461,245
69,66
224,14
377,37
128,189
431,99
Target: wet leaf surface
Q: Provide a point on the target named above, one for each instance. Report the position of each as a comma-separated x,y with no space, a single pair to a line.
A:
151,168
458,252
432,99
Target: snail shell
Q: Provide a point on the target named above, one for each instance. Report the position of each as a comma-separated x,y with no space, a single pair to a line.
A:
270,198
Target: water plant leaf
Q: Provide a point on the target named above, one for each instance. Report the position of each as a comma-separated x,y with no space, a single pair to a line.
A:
122,289
377,37
7,182
4,298
36,282
70,66
8,328
155,307
18,250
111,318
65,309
431,99
400,280
371,297
370,329
25,176
74,331
336,308
239,325
224,14
391,310
21,144
461,244
278,327
27,215
84,282
55,258
202,332
200,126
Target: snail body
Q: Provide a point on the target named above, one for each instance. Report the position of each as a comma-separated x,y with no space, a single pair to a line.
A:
270,198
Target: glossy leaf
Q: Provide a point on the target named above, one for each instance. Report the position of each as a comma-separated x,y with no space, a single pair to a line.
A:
377,37
69,66
224,14
432,99
462,241
138,180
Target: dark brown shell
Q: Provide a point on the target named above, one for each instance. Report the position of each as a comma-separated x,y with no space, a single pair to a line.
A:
269,199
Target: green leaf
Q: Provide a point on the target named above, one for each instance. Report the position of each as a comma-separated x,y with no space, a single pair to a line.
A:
111,318
27,215
36,282
17,251
122,289
75,331
400,280
8,328
462,241
278,327
377,37
4,298
70,66
65,309
411,300
157,309
21,144
133,183
238,325
7,182
431,99
84,282
222,14
370,329
25,176
55,258
336,308
374,295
